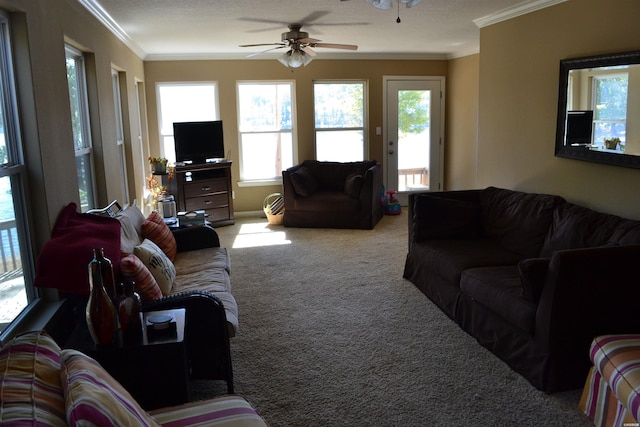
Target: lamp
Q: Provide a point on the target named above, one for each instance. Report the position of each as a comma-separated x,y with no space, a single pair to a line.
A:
295,58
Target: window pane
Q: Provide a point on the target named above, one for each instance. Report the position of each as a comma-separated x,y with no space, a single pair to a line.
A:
83,166
339,105
610,107
265,155
265,107
13,295
76,106
339,146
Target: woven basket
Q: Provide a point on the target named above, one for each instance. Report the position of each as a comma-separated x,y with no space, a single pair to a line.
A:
273,207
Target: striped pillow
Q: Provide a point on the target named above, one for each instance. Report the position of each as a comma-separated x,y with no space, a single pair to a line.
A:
154,229
93,397
30,378
134,270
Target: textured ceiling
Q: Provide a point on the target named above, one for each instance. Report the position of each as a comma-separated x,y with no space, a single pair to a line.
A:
184,29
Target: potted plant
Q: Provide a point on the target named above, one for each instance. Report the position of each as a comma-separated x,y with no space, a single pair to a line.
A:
158,165
612,143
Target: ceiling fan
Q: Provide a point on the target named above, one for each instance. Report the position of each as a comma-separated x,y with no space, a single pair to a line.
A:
300,47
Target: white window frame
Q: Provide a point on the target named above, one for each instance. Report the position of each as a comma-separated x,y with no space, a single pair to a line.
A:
365,109
276,180
15,170
120,145
165,131
86,151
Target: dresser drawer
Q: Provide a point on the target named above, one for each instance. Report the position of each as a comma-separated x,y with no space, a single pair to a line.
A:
200,188
210,201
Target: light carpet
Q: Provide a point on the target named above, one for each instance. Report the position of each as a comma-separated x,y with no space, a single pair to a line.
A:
332,335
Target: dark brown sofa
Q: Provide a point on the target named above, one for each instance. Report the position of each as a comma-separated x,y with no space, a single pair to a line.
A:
532,277
332,194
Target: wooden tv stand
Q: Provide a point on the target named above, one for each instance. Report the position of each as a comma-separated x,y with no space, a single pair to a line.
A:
205,186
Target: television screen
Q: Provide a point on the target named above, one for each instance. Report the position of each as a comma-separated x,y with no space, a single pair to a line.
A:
198,142
579,127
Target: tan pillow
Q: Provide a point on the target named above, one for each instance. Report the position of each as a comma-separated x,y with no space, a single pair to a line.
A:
131,219
158,264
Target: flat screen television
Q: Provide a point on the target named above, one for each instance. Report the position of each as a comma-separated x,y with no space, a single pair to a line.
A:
579,127
198,142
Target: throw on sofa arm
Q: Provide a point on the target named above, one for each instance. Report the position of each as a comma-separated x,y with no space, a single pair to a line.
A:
206,333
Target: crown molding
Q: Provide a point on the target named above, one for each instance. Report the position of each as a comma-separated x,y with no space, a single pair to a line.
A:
320,57
515,11
105,19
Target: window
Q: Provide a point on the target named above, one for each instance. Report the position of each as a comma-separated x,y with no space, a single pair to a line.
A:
184,102
610,107
339,121
76,79
16,263
266,117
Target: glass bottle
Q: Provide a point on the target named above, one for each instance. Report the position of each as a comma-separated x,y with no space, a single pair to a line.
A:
129,308
102,317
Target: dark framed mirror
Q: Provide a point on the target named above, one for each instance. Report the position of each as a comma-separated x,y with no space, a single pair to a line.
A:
599,109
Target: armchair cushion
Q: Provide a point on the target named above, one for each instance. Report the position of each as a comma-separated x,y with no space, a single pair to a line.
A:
93,397
353,185
303,182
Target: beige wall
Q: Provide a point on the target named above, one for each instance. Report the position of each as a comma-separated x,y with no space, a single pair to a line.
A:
519,73
462,124
227,73
41,28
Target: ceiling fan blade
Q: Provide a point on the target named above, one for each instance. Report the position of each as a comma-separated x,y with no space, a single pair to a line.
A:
335,46
308,40
263,44
308,51
265,51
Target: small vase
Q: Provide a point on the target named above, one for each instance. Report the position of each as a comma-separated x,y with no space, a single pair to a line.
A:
102,317
129,307
160,167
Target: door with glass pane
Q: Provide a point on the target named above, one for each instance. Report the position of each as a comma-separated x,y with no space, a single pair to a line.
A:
413,139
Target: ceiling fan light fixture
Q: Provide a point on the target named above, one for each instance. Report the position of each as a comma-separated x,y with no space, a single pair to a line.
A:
409,3
295,58
381,4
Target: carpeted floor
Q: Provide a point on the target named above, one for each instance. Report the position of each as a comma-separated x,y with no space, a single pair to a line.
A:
332,335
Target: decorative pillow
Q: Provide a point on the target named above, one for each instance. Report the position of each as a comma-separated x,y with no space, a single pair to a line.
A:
93,397
63,262
131,219
303,182
134,270
353,185
30,378
533,273
154,229
158,264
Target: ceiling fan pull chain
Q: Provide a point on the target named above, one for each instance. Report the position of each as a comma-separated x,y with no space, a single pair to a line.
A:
398,19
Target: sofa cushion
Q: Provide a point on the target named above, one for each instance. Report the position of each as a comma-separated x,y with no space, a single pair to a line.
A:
134,270
93,397
443,218
626,233
499,290
304,182
158,264
155,229
131,219
533,273
30,378
576,227
225,410
353,185
62,264
517,220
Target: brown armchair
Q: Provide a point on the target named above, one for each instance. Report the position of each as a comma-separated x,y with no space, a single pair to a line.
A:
332,194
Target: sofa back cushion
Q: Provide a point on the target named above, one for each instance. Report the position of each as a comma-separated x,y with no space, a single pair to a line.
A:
30,380
576,226
332,176
517,221
131,219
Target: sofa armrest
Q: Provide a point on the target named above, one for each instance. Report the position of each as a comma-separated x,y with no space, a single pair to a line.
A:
587,292
194,238
444,215
206,333
372,189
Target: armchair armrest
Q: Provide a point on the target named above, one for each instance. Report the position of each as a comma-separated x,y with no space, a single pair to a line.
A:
194,238
444,215
372,189
206,333
287,187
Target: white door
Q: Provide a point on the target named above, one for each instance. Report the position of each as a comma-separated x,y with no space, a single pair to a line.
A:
413,135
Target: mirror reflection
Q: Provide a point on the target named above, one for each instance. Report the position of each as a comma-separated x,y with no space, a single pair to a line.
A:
599,109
